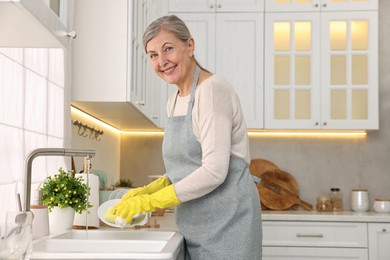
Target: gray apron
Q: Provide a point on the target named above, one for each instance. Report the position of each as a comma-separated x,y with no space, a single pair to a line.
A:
224,224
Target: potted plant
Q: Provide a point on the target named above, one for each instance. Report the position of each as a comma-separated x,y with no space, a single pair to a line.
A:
64,195
124,183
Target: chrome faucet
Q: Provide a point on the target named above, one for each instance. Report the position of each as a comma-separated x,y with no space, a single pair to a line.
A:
48,152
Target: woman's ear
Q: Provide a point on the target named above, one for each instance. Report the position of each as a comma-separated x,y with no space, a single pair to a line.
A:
191,46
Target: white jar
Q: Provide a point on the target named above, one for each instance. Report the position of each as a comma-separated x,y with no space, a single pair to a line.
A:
360,201
382,205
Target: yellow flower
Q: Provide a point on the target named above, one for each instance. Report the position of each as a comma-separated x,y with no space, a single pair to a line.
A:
74,192
70,202
51,198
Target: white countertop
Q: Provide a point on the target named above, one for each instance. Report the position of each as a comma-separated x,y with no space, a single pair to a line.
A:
344,216
168,221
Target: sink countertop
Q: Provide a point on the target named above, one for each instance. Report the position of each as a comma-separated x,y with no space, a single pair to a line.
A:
343,216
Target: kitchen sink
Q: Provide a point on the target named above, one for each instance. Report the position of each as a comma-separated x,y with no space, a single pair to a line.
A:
104,244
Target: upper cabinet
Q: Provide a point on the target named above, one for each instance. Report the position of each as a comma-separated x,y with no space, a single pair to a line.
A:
111,77
231,45
145,84
100,53
295,64
319,5
321,70
211,6
33,24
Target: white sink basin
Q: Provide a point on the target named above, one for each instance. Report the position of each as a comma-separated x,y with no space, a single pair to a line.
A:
123,244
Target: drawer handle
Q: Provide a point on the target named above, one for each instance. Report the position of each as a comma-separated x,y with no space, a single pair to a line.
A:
309,235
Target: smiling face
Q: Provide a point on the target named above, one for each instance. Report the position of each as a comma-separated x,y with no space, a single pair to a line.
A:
171,58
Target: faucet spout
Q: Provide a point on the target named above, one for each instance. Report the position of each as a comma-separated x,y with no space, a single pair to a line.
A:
47,152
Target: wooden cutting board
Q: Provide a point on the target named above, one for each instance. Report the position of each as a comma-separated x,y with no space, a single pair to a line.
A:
279,191
258,167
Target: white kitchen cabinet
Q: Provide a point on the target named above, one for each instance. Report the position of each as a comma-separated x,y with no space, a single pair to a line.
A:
321,70
145,86
379,241
231,46
99,53
319,5
314,253
314,240
212,6
110,68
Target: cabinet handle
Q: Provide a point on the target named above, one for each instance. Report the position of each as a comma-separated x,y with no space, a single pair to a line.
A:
325,123
316,5
141,103
324,5
309,235
211,6
219,6
155,117
384,230
316,123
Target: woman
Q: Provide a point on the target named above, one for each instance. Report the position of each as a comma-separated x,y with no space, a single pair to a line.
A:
205,152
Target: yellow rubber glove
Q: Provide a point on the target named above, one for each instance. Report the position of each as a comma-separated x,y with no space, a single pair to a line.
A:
164,198
151,188
109,216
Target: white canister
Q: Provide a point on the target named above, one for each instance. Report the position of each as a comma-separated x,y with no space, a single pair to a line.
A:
40,224
382,205
360,201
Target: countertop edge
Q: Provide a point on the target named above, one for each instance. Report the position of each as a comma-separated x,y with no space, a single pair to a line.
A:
342,216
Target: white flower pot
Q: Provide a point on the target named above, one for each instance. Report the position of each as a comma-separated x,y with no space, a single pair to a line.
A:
61,220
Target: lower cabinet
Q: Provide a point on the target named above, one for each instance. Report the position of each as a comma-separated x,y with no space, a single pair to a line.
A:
299,253
379,241
315,240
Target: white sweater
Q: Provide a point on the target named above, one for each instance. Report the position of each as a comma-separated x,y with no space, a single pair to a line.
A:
219,126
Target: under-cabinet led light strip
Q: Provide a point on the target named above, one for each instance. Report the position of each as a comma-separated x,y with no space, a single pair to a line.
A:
251,133
94,119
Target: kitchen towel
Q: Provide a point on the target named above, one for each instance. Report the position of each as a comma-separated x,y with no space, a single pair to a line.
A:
92,218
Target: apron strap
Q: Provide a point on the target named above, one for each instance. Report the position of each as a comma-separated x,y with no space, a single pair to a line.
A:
192,97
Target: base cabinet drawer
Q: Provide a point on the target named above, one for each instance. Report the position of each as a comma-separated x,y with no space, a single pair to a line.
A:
315,234
314,253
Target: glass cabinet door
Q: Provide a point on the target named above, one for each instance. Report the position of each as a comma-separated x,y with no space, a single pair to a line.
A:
319,5
292,79
350,70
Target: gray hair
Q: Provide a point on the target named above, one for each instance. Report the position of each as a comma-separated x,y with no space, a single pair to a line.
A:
171,24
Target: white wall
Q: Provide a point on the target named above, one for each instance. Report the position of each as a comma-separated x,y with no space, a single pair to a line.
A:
32,105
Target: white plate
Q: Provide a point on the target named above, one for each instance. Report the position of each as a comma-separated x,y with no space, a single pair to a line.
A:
120,194
113,194
139,219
